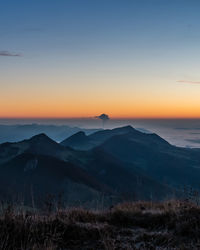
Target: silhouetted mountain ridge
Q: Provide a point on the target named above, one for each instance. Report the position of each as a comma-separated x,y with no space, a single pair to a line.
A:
122,162
13,133
81,141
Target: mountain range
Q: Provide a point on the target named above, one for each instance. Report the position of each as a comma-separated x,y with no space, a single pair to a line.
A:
13,133
113,165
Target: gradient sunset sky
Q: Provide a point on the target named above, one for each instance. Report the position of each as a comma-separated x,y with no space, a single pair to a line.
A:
79,58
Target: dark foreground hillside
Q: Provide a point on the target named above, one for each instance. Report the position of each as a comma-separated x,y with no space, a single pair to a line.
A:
169,225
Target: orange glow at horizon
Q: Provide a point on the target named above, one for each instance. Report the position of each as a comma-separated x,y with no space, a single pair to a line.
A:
89,110
125,97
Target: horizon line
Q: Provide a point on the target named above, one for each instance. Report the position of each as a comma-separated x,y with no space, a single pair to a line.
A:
93,117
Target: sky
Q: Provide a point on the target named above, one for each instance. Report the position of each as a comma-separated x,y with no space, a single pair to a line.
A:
81,58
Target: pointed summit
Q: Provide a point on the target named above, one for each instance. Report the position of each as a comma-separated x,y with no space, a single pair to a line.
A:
78,141
40,137
124,129
42,144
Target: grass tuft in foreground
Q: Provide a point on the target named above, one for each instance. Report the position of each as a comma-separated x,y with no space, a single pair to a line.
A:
140,225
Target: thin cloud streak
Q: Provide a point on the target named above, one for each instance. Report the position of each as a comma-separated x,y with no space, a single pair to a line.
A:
191,82
7,53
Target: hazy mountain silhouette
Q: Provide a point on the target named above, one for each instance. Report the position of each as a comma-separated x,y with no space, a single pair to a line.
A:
156,158
121,162
81,141
45,166
39,144
150,154
13,133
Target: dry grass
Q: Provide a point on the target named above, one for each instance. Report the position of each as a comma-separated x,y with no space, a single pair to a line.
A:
140,225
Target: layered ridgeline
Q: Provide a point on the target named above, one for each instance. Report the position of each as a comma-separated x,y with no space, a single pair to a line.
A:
107,166
13,133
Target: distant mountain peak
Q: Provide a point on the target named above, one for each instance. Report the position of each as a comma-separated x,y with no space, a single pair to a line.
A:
41,137
44,143
77,140
75,137
127,128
